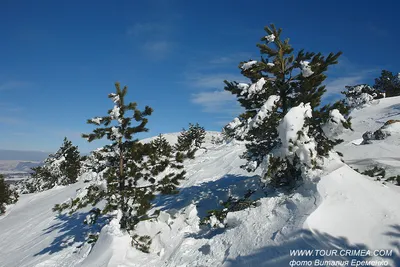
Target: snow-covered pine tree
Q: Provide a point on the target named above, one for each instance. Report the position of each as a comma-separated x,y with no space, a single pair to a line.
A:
189,141
388,83
96,161
361,94
61,168
163,157
134,171
71,166
7,195
4,194
285,127
197,133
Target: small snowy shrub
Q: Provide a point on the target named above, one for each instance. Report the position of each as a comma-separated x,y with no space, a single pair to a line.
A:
217,218
394,179
376,171
217,140
358,96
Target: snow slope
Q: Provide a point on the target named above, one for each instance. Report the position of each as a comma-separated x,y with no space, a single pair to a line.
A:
32,235
342,210
384,153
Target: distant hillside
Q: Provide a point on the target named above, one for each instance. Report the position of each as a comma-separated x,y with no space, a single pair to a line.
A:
23,155
17,166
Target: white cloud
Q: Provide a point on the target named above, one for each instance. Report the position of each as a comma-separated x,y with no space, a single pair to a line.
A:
146,29
154,39
221,102
213,98
158,49
234,59
211,81
335,86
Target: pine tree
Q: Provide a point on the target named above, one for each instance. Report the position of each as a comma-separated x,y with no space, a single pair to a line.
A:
4,194
189,141
7,195
197,134
134,171
388,83
70,167
60,168
284,86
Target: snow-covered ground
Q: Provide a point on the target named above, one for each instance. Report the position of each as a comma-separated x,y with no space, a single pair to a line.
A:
343,211
384,153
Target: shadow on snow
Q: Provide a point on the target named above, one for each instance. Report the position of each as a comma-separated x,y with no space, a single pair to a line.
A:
279,254
208,195
71,231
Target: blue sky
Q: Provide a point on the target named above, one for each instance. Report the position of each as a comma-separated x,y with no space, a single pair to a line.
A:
60,59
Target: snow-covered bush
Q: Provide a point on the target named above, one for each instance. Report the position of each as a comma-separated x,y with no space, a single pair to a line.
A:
97,162
61,168
357,96
218,218
287,131
217,140
394,179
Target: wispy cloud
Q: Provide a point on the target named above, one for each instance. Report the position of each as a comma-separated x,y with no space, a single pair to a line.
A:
158,50
9,108
216,102
347,73
13,85
335,86
149,29
212,98
376,30
211,81
154,39
234,58
10,114
10,120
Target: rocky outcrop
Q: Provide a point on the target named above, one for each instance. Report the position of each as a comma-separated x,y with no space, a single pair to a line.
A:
379,134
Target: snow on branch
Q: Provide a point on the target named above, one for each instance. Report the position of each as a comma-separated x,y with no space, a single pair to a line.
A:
334,126
294,134
264,112
270,38
306,69
248,65
255,88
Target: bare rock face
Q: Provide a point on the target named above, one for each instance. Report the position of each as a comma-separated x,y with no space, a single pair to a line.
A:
390,122
379,134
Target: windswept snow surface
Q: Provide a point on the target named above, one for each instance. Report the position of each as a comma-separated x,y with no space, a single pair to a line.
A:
342,210
383,153
31,234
